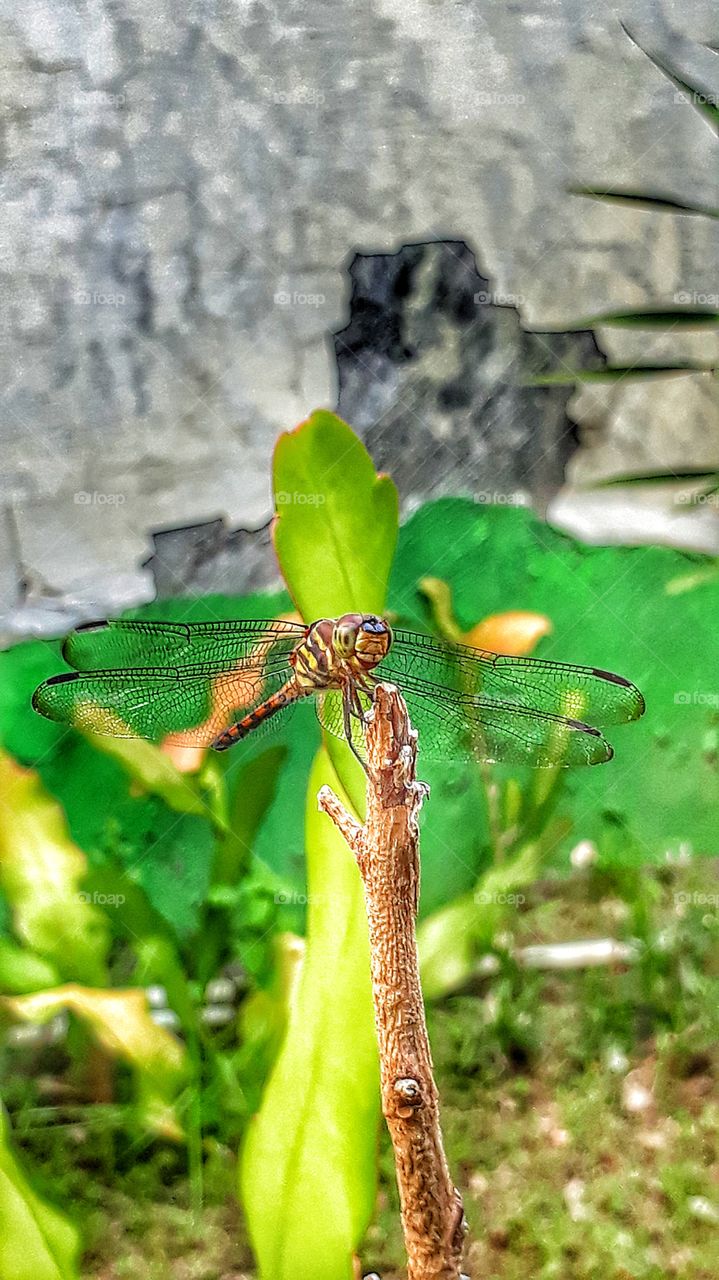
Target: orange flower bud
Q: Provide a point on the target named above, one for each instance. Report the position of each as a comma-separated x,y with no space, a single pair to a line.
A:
515,632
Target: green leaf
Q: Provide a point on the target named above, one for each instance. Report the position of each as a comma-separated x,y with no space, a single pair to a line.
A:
703,101
640,200
37,1242
42,874
307,1170
693,476
279,842
336,525
175,873
335,535
680,318
613,373
21,970
451,941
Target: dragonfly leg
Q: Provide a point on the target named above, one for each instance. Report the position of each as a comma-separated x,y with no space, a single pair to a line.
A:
349,695
367,685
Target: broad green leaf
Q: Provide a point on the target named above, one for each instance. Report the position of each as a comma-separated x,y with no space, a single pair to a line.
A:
41,874
336,524
263,1019
121,1022
307,1169
37,1242
175,873
254,792
335,535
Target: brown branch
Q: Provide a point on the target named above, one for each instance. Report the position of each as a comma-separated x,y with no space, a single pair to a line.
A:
387,854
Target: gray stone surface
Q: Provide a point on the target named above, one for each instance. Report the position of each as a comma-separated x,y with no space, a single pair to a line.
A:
184,188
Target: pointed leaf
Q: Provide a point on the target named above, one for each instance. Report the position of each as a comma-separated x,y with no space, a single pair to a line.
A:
307,1170
36,1241
336,525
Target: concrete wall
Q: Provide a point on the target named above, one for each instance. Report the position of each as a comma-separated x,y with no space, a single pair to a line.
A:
185,187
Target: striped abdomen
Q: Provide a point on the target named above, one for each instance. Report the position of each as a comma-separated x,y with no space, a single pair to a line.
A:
276,702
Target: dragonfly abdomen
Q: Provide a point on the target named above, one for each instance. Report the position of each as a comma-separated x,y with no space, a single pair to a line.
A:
276,702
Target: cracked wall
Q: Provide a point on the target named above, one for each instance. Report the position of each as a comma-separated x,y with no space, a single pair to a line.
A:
184,189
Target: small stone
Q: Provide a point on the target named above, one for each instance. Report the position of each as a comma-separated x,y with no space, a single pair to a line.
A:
217,1015
583,854
701,1208
156,996
636,1097
166,1018
574,1197
220,991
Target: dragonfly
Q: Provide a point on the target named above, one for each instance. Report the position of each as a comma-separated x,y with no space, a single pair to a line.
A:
212,684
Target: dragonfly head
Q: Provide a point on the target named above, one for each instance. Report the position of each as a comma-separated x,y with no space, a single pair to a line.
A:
363,636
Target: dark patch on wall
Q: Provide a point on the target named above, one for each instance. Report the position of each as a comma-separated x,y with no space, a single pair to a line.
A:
433,373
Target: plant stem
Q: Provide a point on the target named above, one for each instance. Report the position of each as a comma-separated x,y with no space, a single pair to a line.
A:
387,853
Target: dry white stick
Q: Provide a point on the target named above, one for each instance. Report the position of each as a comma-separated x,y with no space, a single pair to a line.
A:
387,853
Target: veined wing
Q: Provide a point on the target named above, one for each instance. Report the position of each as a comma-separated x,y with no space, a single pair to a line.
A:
328,705
462,729
420,664
502,733
188,706
103,646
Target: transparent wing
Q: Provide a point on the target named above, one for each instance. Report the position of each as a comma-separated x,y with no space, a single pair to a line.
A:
474,729
330,715
417,663
187,706
496,732
102,646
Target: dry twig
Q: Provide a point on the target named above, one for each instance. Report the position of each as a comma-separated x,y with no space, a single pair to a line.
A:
386,849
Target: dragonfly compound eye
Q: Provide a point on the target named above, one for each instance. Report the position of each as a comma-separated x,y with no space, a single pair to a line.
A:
344,637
